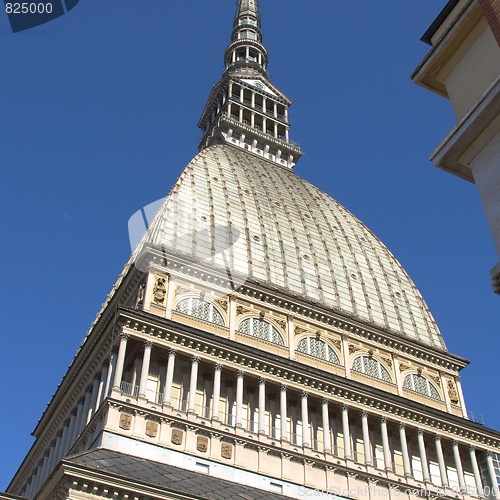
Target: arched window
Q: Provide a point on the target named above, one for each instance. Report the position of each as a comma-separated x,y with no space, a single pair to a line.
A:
262,329
371,367
201,309
317,348
417,383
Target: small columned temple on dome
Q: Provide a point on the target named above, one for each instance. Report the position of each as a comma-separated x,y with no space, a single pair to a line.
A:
260,343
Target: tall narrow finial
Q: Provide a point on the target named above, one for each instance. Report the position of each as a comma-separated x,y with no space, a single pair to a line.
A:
246,52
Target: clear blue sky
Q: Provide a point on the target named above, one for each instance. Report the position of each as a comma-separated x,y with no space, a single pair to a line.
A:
98,114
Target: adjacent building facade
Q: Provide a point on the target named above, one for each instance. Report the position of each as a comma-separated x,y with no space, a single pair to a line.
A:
261,343
463,65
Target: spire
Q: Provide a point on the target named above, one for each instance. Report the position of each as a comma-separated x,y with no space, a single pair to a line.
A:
245,109
246,52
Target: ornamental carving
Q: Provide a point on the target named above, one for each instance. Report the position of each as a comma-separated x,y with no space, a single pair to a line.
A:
337,344
222,304
452,392
160,290
151,428
125,421
241,310
177,436
202,444
403,367
281,323
353,349
226,451
387,361
299,330
181,289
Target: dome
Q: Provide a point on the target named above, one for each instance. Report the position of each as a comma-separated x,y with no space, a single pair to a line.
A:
290,235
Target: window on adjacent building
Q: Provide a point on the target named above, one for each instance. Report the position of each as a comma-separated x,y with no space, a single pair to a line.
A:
318,348
371,367
201,309
262,329
417,383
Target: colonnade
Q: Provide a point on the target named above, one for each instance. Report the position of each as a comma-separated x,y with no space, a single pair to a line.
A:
74,425
349,416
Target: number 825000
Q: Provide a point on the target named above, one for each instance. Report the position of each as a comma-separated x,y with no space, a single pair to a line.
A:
28,8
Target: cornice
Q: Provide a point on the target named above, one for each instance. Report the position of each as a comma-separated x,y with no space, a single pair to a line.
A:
190,340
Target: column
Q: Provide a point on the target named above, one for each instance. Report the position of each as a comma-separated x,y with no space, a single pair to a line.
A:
423,455
283,414
195,361
216,393
232,317
34,481
492,474
291,334
57,450
162,375
404,450
327,443
385,444
170,296
102,384
75,424
306,435
345,351
169,377
239,398
458,465
64,439
461,397
366,438
262,405
148,293
440,457
86,408
93,400
111,373
45,464
146,360
475,469
345,429
120,361
397,373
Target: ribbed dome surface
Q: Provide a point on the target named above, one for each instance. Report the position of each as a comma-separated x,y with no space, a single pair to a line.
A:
285,232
